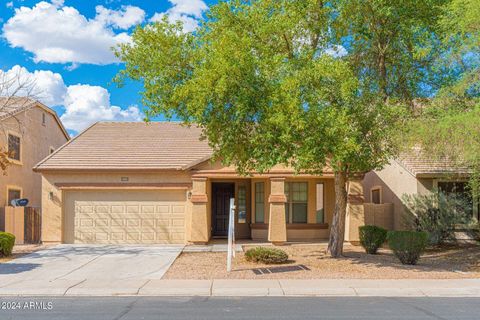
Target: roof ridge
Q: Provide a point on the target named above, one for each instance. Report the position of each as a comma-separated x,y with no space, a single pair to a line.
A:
63,146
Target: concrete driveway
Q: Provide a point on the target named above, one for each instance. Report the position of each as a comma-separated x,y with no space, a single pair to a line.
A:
86,269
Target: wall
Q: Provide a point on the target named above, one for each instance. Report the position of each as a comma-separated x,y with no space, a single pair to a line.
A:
395,181
36,140
52,196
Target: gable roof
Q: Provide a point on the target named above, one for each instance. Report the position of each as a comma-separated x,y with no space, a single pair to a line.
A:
422,165
12,106
131,146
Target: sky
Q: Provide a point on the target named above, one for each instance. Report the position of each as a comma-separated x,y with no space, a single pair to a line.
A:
64,47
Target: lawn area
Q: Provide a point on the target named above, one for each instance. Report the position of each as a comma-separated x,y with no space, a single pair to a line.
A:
443,263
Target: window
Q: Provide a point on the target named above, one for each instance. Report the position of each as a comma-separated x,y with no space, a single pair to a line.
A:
376,195
13,194
14,147
51,150
296,206
242,204
320,211
44,120
259,202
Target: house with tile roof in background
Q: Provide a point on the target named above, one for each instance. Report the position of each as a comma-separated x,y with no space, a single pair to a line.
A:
29,131
414,173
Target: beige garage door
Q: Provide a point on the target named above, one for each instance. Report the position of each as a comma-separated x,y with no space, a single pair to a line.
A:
142,217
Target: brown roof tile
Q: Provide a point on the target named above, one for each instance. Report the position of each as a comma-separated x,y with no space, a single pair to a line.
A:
130,146
420,164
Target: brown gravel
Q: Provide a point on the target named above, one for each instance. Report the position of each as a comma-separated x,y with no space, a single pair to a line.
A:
21,250
443,263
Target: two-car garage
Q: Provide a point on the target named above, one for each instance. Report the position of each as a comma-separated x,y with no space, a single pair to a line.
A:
124,216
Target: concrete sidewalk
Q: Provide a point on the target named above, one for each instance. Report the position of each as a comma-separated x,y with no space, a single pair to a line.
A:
288,288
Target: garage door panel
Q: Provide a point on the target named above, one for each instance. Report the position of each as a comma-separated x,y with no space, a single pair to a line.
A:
126,217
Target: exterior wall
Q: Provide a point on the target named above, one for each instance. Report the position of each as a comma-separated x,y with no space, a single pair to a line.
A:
395,181
36,141
53,197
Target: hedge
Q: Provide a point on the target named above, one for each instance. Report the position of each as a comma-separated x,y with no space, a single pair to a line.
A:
407,245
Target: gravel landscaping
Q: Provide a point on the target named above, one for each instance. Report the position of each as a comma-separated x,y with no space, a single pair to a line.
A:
442,263
21,250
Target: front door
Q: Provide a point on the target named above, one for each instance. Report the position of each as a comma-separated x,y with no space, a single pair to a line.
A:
222,192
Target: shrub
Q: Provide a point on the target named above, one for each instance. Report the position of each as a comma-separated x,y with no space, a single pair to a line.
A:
407,245
266,255
437,214
7,241
372,237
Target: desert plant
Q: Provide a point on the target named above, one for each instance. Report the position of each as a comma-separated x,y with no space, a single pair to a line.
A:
266,255
372,237
7,241
407,245
437,214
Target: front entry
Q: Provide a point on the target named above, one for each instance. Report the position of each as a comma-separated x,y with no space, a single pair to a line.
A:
222,192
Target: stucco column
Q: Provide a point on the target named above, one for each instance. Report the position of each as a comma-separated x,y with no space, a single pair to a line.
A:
198,226
355,210
277,227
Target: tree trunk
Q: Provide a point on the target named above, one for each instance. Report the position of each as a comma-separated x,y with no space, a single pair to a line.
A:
337,231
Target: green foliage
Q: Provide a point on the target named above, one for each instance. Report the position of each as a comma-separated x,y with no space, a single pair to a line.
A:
7,241
392,44
266,255
372,237
407,245
437,214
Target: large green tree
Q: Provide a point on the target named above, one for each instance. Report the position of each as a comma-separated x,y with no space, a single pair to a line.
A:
256,77
450,124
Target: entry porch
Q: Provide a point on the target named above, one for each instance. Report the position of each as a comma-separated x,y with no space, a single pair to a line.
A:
275,208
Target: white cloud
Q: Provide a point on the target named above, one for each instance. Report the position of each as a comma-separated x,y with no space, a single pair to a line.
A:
9,4
125,18
186,11
60,34
85,104
46,86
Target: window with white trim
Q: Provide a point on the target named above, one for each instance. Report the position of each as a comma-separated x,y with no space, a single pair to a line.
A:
259,202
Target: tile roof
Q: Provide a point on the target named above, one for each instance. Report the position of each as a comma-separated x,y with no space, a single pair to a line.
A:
131,146
418,163
10,106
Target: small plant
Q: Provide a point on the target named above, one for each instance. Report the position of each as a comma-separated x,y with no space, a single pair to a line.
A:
436,213
371,238
7,241
266,255
407,245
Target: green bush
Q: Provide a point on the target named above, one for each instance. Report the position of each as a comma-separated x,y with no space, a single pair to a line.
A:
372,237
266,255
407,245
7,241
436,213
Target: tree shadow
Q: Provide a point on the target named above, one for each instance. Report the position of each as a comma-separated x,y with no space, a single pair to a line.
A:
15,268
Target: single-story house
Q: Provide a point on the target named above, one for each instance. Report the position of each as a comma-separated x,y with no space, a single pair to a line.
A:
120,182
415,172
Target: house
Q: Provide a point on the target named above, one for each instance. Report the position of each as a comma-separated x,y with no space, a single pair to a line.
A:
155,183
29,131
415,172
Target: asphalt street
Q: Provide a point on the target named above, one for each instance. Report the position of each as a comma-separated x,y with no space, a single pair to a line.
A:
125,308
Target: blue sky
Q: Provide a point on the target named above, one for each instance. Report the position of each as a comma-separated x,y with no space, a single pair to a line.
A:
63,45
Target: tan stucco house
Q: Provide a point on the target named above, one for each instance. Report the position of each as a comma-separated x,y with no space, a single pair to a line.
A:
155,183
29,131
415,172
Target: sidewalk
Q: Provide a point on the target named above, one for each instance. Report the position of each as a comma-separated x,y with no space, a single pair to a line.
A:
274,288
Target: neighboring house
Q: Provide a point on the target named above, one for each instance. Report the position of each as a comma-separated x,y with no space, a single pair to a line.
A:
415,173
29,131
155,183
